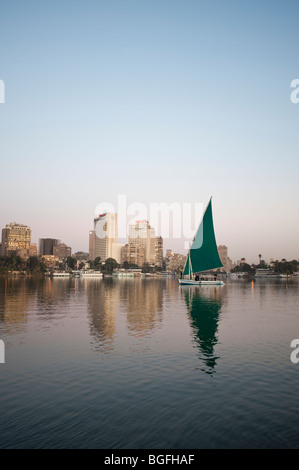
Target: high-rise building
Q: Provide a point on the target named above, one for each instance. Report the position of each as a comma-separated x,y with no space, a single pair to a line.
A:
159,252
15,237
91,245
46,245
62,251
225,260
117,252
105,235
142,234
133,254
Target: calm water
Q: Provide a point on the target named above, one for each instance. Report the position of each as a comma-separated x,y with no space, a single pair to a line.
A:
147,364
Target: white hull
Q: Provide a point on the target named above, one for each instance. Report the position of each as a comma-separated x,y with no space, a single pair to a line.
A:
191,282
123,276
268,276
61,275
91,275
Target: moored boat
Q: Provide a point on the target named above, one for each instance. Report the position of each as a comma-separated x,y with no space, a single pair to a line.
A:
91,274
61,274
266,274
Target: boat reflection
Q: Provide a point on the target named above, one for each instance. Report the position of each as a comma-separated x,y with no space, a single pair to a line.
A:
204,306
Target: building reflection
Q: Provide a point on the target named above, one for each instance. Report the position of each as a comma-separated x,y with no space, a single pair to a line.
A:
16,294
51,292
204,306
144,301
107,300
102,301
15,297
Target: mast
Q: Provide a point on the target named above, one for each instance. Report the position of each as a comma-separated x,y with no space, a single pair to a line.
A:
190,264
188,260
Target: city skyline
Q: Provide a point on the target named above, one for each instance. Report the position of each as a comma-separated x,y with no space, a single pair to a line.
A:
162,101
113,247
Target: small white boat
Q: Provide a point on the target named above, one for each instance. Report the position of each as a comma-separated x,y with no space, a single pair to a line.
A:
61,274
91,274
76,273
123,273
266,274
201,282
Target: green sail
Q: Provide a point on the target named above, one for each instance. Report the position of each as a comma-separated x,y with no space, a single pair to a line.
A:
203,252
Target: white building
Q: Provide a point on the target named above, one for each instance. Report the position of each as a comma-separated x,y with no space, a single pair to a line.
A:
141,234
105,235
117,252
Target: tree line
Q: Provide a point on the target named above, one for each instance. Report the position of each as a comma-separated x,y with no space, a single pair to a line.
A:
279,267
12,262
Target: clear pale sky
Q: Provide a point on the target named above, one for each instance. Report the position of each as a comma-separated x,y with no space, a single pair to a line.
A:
160,100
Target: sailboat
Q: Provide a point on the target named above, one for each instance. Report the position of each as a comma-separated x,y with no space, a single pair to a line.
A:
203,254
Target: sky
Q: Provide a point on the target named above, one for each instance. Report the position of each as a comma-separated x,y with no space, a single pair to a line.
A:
163,101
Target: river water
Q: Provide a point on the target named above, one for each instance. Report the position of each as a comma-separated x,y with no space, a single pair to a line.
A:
148,364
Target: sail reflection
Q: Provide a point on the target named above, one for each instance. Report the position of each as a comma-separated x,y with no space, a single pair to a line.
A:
204,307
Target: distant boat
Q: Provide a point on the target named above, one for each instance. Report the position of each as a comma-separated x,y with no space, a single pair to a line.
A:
122,273
76,273
266,274
238,275
203,254
91,274
269,274
61,274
